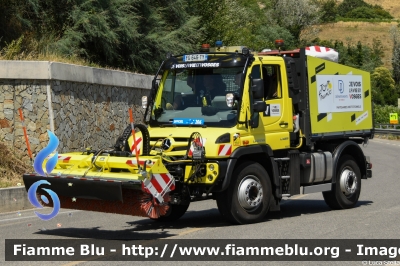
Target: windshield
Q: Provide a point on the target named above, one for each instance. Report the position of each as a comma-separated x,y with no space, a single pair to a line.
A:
196,96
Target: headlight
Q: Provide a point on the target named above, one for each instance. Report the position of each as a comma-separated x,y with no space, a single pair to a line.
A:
229,99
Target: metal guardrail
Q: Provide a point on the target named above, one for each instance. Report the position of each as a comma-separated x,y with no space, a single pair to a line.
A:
387,126
387,131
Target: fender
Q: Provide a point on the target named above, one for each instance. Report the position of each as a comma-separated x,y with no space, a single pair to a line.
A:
352,148
253,150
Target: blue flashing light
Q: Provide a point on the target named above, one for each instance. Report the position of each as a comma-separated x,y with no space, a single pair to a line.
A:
218,43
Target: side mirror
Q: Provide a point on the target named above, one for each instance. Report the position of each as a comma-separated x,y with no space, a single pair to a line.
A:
257,88
259,106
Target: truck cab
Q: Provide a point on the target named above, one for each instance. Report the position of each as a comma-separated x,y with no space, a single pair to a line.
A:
262,119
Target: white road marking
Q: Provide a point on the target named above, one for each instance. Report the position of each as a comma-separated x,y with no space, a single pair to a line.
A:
33,216
383,141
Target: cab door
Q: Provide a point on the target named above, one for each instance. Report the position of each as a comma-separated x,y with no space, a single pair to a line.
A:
277,119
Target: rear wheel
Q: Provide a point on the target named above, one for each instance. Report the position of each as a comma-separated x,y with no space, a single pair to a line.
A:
247,198
346,191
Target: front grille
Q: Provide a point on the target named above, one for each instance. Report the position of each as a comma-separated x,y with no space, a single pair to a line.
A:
180,144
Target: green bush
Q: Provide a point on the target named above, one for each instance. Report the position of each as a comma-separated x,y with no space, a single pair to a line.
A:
348,5
362,12
12,49
358,9
368,13
383,87
380,12
381,113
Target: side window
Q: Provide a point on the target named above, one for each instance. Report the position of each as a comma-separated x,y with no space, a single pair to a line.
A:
168,89
255,72
272,88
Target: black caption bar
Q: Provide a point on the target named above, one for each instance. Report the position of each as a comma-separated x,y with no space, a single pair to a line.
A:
204,250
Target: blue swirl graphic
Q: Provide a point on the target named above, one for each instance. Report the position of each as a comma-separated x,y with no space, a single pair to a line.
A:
32,198
45,199
41,156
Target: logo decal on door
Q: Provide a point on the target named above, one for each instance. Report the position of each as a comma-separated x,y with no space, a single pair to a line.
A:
273,110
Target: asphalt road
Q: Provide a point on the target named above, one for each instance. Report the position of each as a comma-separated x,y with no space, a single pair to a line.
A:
376,216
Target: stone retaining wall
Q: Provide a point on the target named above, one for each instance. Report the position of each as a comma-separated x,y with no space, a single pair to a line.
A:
31,96
81,105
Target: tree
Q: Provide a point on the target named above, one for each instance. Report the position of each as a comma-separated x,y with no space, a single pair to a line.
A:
329,10
296,16
235,22
395,36
349,5
381,113
128,34
355,55
15,18
383,89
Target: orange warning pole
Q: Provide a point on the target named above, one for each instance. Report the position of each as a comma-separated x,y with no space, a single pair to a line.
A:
133,135
21,115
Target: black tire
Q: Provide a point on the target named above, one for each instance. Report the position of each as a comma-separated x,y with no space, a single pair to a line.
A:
122,141
235,205
346,191
174,213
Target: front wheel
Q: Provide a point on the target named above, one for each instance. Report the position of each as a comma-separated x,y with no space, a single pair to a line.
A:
346,191
247,198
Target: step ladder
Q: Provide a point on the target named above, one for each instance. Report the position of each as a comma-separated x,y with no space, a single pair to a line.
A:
289,174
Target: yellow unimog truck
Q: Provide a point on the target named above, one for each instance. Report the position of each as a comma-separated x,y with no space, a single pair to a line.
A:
245,129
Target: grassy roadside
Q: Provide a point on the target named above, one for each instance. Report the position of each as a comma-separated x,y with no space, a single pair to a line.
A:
365,32
12,167
388,137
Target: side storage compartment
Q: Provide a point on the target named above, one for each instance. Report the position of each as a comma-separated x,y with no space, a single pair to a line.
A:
315,167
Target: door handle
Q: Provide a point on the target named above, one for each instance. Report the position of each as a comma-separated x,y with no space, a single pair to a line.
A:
283,124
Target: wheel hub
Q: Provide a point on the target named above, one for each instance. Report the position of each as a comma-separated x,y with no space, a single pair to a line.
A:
250,193
348,182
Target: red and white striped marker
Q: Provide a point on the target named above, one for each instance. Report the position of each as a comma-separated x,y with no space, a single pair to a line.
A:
323,52
133,163
319,49
136,146
133,134
158,185
21,115
65,159
224,150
